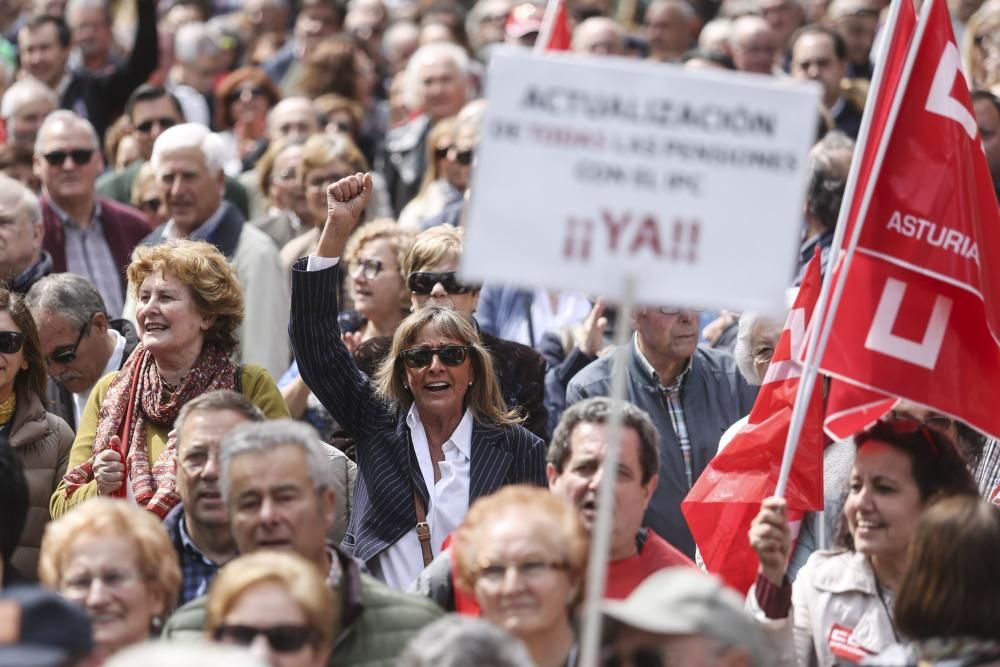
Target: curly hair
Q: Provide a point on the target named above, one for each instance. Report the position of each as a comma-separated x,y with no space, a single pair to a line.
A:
34,379
157,558
214,284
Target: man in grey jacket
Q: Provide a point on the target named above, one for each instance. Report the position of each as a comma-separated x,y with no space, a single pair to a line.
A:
692,394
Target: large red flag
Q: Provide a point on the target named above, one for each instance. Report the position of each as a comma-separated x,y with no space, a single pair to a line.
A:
728,494
920,314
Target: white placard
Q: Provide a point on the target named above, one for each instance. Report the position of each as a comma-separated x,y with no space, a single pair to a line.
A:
590,169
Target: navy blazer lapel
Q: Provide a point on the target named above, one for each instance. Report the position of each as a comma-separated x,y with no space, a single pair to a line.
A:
490,461
416,477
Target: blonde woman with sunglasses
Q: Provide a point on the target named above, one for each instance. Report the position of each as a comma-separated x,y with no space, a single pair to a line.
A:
431,427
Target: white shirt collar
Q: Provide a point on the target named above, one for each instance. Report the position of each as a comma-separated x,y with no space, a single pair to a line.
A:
461,437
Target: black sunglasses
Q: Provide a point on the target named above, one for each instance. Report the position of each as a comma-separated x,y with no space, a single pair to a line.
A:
246,94
442,152
423,282
80,157
463,158
11,341
150,205
66,354
282,638
421,357
146,126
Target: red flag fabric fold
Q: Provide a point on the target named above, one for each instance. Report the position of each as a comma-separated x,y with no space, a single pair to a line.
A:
727,496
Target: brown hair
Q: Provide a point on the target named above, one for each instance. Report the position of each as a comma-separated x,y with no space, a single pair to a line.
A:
330,68
443,128
232,81
935,464
298,577
952,582
483,398
331,103
213,282
157,558
34,379
524,501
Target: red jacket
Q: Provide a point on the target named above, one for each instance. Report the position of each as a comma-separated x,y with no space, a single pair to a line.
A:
124,228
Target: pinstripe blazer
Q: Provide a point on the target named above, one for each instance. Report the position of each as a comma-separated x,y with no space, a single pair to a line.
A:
388,471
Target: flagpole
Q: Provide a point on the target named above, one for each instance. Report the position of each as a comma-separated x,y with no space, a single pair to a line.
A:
548,25
819,335
600,537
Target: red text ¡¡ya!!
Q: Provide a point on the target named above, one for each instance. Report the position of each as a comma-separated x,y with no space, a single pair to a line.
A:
632,235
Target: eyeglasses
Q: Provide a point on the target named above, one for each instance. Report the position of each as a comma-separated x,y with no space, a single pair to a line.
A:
421,357
245,94
423,282
762,355
80,157
66,354
150,206
642,656
80,585
494,573
146,126
369,268
11,342
282,638
441,152
463,158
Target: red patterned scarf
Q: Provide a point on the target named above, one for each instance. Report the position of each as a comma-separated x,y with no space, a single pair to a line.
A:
154,487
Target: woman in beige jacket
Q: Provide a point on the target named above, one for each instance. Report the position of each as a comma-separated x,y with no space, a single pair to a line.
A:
40,439
839,609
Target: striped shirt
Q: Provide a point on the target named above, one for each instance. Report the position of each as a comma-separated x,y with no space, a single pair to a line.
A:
88,255
672,396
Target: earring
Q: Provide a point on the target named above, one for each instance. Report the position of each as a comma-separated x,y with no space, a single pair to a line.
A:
470,383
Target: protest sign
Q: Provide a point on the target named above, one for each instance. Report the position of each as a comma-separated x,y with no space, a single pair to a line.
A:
591,169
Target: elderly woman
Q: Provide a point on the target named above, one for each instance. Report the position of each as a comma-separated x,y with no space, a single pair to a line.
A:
430,268
278,605
840,605
40,439
325,160
127,552
539,537
374,257
287,215
242,100
189,306
432,431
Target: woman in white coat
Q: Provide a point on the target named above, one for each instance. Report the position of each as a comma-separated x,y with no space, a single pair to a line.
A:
839,609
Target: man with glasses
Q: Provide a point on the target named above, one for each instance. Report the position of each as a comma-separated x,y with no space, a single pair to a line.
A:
692,394
150,111
85,234
78,340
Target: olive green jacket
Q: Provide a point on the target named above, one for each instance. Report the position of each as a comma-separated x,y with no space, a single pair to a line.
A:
377,621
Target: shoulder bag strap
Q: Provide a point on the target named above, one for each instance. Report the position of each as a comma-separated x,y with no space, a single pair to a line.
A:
423,529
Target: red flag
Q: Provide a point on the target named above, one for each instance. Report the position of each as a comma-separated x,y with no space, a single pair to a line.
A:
728,494
920,314
555,34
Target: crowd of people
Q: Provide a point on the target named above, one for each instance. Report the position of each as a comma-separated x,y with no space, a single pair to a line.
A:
252,413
